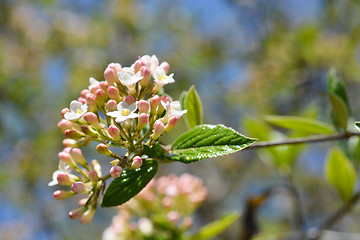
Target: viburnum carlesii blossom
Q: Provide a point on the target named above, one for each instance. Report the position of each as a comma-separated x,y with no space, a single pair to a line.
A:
159,128
63,168
136,163
172,109
173,121
129,78
110,73
93,83
115,171
160,78
77,109
150,62
124,112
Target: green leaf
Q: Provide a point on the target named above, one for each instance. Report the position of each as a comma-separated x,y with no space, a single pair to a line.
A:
300,124
357,125
340,110
182,99
130,183
154,151
340,172
215,228
207,141
194,108
337,88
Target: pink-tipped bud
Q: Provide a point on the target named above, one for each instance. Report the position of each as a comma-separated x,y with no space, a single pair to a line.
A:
114,132
87,216
91,102
96,166
63,111
154,103
93,176
159,128
103,149
92,119
64,125
79,187
78,157
64,179
173,216
113,93
77,212
67,142
65,157
100,96
89,131
82,202
73,134
129,99
104,85
137,65
110,75
164,98
84,92
143,119
111,106
136,163
165,66
143,106
166,202
173,121
82,100
146,73
94,88
61,195
115,171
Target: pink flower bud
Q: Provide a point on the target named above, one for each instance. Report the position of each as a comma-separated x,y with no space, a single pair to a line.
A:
84,92
165,66
91,102
113,93
137,65
129,99
82,100
94,88
87,216
143,119
146,73
173,216
64,179
92,119
82,202
100,96
166,202
77,212
67,142
136,163
114,132
111,106
115,171
143,106
73,134
66,158
64,110
110,74
104,85
154,103
173,121
79,187
64,125
159,128
89,131
164,98
78,157
93,176
96,166
61,195
103,149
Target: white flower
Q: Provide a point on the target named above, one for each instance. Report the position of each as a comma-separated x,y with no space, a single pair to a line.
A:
160,78
63,168
93,83
124,112
150,62
77,109
172,109
128,77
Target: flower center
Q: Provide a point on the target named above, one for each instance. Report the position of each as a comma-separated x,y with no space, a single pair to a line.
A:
125,112
78,111
162,77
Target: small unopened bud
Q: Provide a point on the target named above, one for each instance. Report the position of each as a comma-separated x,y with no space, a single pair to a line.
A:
93,176
154,103
66,158
64,110
96,166
173,216
64,179
136,163
61,195
87,216
143,106
94,88
92,119
78,157
173,121
91,102
165,66
137,65
166,202
64,125
143,119
129,99
164,98
73,134
113,93
82,202
103,149
110,74
146,73
88,130
77,212
84,92
159,128
111,106
82,100
104,85
115,171
100,96
115,162
114,132
79,187
67,142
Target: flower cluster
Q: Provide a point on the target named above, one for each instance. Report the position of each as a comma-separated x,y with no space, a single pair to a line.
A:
159,209
128,109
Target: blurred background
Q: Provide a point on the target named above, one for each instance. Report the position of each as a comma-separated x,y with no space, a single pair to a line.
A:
247,59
